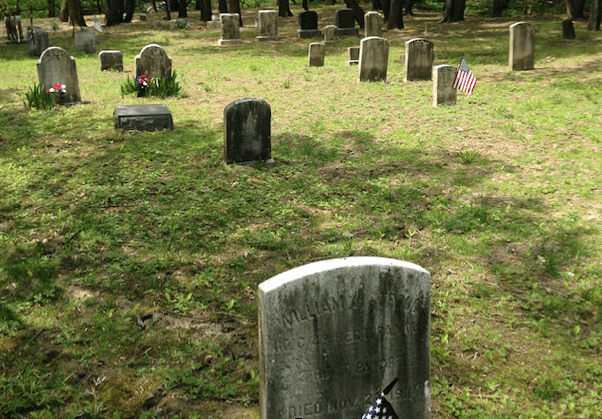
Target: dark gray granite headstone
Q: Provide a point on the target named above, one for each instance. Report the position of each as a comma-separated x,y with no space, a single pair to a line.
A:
308,24
142,117
247,131
333,334
568,30
345,22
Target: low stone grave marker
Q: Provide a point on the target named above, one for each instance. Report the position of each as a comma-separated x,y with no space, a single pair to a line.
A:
419,59
230,29
111,60
85,41
142,117
443,78
330,34
354,56
373,24
153,62
316,54
142,17
247,132
308,24
345,22
374,59
56,66
179,24
522,46
267,22
37,41
333,334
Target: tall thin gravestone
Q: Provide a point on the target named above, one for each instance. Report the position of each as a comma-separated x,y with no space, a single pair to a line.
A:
354,56
308,25
418,59
153,61
247,132
373,24
330,34
56,66
268,25
315,57
443,78
333,334
37,41
230,29
374,59
522,46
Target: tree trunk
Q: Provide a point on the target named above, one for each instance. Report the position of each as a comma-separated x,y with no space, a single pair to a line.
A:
357,10
97,7
182,12
174,5
234,7
498,7
51,9
595,16
575,9
395,20
454,11
284,8
64,12
376,5
304,4
154,3
130,8
386,9
409,5
75,13
205,10
222,6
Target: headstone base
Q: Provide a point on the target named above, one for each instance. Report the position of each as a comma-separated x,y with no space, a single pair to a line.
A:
222,42
267,38
142,118
347,31
213,25
352,62
309,33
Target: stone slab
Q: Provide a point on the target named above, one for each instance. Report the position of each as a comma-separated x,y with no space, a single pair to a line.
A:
309,33
213,25
142,117
333,334
111,60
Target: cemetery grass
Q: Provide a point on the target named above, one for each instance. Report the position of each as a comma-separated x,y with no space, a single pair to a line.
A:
130,261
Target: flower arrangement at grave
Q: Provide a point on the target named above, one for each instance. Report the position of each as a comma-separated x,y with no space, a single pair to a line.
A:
41,98
57,91
144,86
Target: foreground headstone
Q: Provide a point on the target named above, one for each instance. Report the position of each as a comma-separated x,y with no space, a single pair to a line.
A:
316,54
333,334
568,30
37,41
153,62
230,29
308,25
56,66
419,59
247,132
354,56
345,22
267,22
522,46
373,24
443,78
85,41
111,60
142,118
374,59
330,34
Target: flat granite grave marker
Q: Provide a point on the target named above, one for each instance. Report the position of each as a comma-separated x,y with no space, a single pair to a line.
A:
247,132
37,41
230,29
315,57
443,78
522,46
418,60
267,22
111,60
373,24
153,62
345,22
142,117
85,41
333,334
374,59
56,66
308,24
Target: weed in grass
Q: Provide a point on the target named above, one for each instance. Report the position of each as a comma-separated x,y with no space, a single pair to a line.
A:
469,156
160,87
286,84
37,98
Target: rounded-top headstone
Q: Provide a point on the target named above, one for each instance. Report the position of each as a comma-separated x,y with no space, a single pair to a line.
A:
247,131
153,61
419,56
522,46
55,65
333,334
374,59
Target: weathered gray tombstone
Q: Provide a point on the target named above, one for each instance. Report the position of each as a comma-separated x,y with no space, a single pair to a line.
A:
247,132
37,41
142,17
230,29
333,334
568,30
56,66
267,22
315,57
111,60
418,60
85,41
330,34
373,24
522,46
153,62
308,24
443,78
142,118
345,22
215,23
354,56
374,59
179,24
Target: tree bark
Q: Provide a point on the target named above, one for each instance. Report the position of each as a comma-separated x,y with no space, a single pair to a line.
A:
234,7
130,7
64,12
222,6
154,4
304,4
595,16
386,4
498,7
205,10
409,5
454,11
51,9
376,5
284,8
395,20
182,12
174,5
575,9
76,14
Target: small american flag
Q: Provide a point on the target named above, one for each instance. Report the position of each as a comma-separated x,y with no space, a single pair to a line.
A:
97,25
465,80
381,408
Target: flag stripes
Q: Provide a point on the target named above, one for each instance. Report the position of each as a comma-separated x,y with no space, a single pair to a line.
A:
465,80
97,25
